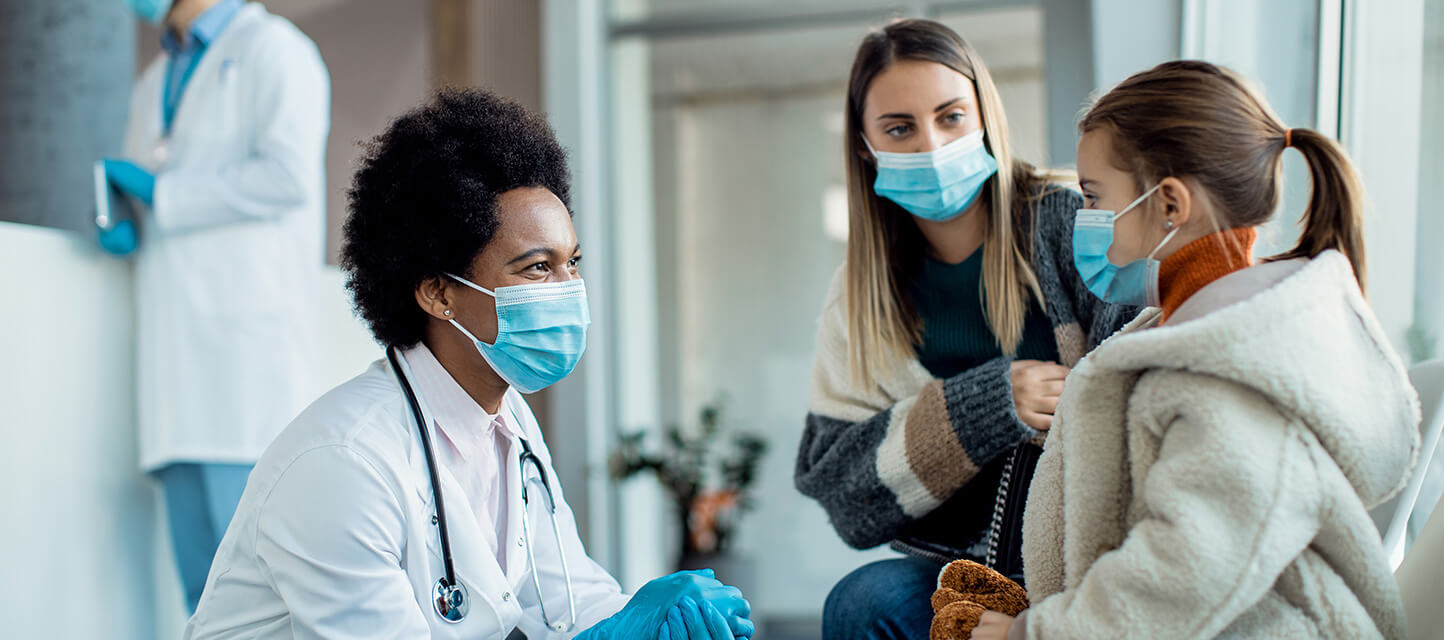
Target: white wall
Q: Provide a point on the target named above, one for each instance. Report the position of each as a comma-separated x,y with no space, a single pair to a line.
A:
1132,35
1381,130
79,515
82,522
1429,286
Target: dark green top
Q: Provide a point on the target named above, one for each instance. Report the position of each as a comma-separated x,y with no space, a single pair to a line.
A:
956,337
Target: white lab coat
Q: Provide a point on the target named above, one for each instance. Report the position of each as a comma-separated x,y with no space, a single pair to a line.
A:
334,538
230,254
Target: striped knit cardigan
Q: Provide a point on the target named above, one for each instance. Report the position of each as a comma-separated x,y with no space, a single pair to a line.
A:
880,459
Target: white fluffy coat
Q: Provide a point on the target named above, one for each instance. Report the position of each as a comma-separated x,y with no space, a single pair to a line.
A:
1211,477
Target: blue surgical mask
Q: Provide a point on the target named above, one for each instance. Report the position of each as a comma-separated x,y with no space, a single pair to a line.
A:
935,185
1135,283
152,11
541,332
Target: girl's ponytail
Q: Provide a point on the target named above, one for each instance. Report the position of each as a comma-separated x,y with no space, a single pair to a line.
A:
1334,218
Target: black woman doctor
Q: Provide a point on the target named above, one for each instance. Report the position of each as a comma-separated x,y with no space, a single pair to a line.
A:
356,523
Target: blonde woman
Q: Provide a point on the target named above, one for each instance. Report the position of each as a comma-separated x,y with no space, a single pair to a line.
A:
1212,466
943,345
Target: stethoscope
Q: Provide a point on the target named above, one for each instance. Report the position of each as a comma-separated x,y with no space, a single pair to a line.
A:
449,597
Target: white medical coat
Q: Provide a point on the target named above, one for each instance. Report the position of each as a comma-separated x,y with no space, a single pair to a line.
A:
230,252
334,535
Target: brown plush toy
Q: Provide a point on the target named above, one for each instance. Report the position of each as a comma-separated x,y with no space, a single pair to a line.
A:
965,590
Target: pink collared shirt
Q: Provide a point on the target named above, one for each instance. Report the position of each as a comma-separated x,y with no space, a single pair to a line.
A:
474,445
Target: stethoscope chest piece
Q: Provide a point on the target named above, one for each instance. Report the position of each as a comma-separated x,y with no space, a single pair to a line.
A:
451,601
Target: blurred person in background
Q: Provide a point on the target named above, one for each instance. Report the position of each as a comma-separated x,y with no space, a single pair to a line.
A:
225,152
946,336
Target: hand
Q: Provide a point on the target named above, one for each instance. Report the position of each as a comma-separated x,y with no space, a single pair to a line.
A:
1036,389
132,179
993,626
691,620
648,609
120,239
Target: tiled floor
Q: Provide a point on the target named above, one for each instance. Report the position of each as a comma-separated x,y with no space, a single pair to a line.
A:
789,629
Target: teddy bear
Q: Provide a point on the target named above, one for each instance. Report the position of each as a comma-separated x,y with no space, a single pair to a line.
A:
965,590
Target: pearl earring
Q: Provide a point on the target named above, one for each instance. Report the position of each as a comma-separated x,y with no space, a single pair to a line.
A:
446,313
1168,225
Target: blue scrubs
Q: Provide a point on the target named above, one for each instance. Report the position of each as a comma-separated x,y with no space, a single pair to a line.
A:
200,500
185,53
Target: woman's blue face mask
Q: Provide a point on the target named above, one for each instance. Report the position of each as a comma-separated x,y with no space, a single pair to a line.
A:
1135,283
935,185
541,332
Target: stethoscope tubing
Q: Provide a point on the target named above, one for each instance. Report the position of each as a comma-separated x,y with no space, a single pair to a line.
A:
449,589
431,471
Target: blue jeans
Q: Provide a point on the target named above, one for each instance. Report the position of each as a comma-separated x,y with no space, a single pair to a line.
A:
199,501
885,600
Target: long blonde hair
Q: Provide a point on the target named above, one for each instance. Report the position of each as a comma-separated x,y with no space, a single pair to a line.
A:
1189,118
884,244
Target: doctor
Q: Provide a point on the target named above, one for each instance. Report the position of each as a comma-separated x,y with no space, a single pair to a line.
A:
225,147
418,500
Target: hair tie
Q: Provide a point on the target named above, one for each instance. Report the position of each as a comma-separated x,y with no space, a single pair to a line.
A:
1288,138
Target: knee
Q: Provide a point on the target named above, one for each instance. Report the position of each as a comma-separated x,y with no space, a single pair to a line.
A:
878,596
855,590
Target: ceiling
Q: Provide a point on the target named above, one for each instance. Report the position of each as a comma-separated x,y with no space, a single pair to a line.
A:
818,58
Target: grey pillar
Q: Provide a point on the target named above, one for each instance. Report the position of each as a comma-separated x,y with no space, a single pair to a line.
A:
65,73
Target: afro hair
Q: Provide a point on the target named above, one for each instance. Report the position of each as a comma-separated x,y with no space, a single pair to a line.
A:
423,200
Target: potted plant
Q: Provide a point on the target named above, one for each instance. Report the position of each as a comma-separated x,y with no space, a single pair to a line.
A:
707,480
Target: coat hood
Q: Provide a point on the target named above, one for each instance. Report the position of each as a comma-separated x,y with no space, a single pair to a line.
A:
1300,333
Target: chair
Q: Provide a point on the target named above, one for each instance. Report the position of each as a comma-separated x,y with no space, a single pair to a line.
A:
1393,516
1421,580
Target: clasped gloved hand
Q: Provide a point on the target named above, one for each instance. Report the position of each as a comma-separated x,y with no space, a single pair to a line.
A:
121,238
687,605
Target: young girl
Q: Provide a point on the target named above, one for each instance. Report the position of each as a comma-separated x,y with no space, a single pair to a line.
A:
942,345
1211,467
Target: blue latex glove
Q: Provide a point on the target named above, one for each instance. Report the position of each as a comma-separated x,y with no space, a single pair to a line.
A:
690,620
132,179
120,239
648,609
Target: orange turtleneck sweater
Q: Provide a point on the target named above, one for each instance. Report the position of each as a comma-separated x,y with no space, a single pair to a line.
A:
1202,261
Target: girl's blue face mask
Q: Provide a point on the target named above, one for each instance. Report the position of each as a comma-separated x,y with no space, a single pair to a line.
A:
1135,283
541,332
935,185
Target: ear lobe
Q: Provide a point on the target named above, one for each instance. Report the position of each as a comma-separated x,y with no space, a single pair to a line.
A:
431,296
1177,200
865,154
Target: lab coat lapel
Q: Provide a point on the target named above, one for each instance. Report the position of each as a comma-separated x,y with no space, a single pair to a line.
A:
487,586
517,565
213,70
469,551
